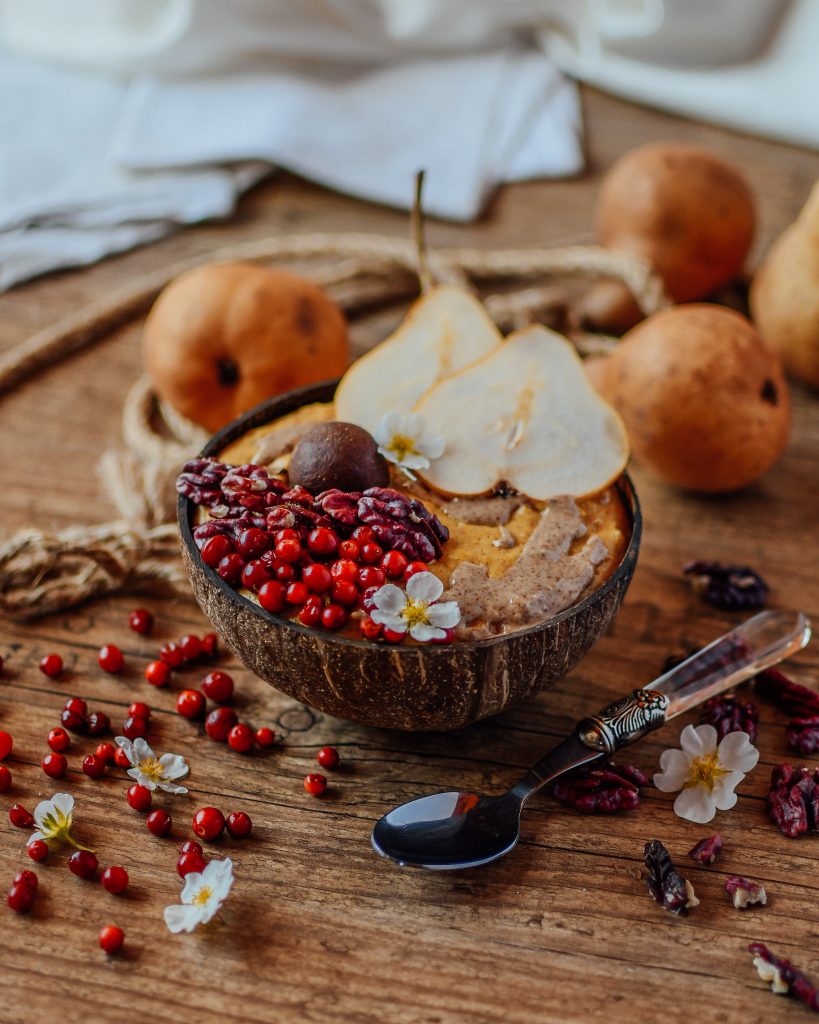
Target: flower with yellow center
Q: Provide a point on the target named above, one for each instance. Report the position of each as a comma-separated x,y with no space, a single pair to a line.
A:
151,771
202,896
54,819
704,773
416,611
406,442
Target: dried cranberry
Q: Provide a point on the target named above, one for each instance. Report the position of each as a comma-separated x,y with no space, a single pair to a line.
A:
601,789
728,587
803,735
744,892
793,800
665,884
727,714
798,986
707,850
794,699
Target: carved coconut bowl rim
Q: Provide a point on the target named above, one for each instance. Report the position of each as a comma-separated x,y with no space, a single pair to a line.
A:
281,405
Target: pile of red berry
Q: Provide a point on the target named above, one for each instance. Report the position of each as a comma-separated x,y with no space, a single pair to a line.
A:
22,892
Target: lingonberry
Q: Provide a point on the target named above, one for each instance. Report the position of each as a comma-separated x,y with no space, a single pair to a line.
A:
239,824
218,686
20,817
315,783
344,592
333,616
83,864
141,621
317,578
111,939
344,569
254,575
446,638
191,646
241,738
296,593
134,727
369,629
7,744
413,568
38,850
139,710
371,553
364,534
392,636
21,898
328,757
5,779
114,879
190,704
93,766
367,601
215,549
394,563
77,705
349,549
210,644
230,568
286,534
253,542
189,862
271,596
158,673
106,752
58,739
265,737
121,758
370,576
310,613
111,659
191,846
159,822
322,541
54,765
219,723
208,823
288,549
285,573
98,723
51,665
73,721
28,878
171,654
139,797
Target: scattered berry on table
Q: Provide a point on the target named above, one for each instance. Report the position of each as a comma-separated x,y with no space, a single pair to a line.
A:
218,686
111,659
97,723
106,752
141,621
241,738
93,766
38,850
190,861
190,704
121,758
73,721
158,673
83,864
77,706
6,744
159,822
54,765
238,824
51,665
134,727
328,757
208,823
265,737
172,655
219,723
190,646
28,878
139,710
111,939
191,846
139,797
5,779
114,879
21,898
315,784
210,644
20,817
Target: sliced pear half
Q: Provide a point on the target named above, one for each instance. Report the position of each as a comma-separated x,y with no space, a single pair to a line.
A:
444,331
525,415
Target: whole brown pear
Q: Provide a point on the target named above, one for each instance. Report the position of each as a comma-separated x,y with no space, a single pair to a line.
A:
703,398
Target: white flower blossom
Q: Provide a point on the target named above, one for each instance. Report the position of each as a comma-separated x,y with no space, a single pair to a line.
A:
416,611
54,818
202,895
406,441
705,774
151,771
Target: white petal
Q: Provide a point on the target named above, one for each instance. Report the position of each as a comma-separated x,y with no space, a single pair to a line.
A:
737,753
193,883
171,787
43,810
218,874
432,445
64,803
141,778
698,740
412,425
209,909
181,919
142,749
445,615
397,623
387,428
127,746
35,836
675,768
411,460
389,598
424,586
422,632
723,792
695,804
174,766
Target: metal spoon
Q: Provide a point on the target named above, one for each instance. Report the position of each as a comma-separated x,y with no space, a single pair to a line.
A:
459,829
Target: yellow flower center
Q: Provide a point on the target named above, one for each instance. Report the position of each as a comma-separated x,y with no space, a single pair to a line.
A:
151,767
415,612
705,771
202,895
402,445
56,825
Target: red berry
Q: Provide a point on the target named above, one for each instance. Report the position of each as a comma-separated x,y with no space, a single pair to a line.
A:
285,573
393,636
218,686
133,727
208,823
76,705
27,878
254,575
344,569
139,797
141,621
413,568
230,568
253,542
394,563
239,824
315,783
296,593
446,638
111,939
139,710
190,646
189,862
271,596
172,655
158,673
364,534
106,752
265,737
333,616
5,779
190,846
371,553
159,822
370,576
114,879
73,721
215,549
369,629
54,765
111,659
51,665
93,766
20,817
317,578
38,850
7,744
328,757
367,602
322,541
310,613
210,644
241,738
83,864
190,704
344,592
288,550
121,758
349,549
21,898
219,723
97,723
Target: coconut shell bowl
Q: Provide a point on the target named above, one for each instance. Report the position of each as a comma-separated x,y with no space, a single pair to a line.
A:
408,687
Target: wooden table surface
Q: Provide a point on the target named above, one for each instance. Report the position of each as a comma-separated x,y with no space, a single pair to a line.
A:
318,929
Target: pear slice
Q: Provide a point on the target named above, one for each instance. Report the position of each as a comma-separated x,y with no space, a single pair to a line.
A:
444,331
525,415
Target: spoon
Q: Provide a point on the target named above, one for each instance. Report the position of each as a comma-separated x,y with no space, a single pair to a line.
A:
460,829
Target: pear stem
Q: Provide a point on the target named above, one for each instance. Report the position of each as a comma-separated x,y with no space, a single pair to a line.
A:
419,236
